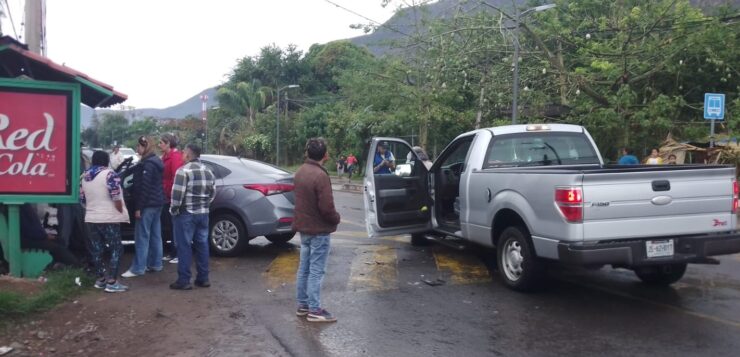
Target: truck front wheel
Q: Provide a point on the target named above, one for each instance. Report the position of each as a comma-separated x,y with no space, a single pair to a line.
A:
665,274
517,262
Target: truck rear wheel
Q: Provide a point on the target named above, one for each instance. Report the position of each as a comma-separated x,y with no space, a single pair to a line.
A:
517,263
665,274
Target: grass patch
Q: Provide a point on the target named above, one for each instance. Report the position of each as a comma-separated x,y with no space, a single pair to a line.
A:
60,286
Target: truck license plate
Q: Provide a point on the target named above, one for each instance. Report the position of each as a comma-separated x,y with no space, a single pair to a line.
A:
659,248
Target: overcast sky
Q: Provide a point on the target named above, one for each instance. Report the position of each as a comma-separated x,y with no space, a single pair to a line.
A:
162,52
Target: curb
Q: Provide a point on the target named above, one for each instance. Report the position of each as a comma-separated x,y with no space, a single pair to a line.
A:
347,187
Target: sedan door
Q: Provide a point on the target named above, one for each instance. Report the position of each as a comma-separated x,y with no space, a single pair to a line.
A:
396,193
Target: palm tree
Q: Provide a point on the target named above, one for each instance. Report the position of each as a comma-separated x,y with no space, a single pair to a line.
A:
244,99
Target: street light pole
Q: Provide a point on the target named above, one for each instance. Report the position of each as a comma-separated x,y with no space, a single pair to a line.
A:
277,122
517,21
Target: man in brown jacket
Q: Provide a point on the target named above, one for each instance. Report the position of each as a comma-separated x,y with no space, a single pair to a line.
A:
315,219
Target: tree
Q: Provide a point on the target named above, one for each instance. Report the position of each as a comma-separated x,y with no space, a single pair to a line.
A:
145,127
243,99
113,128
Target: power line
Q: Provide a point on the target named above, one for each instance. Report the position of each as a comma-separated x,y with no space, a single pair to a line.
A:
368,19
10,16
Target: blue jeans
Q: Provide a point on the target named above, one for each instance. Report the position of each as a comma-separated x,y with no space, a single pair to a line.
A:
314,253
148,241
191,234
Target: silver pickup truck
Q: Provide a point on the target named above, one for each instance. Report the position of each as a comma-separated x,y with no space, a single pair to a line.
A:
542,192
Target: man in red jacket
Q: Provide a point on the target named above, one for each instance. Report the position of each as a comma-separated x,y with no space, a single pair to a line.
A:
172,159
315,218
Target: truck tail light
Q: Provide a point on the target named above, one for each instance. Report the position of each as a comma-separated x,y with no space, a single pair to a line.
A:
268,189
735,192
570,203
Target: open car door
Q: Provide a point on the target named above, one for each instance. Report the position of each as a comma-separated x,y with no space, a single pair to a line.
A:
396,191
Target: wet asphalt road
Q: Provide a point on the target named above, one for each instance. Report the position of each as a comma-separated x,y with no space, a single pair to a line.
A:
373,286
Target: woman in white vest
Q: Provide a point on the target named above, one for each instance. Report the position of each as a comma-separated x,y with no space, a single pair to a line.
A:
101,194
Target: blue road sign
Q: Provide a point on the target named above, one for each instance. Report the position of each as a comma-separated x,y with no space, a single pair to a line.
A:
714,106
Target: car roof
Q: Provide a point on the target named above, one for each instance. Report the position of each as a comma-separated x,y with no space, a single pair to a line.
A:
246,167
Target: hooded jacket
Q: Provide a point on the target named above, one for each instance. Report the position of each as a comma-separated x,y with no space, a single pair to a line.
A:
148,190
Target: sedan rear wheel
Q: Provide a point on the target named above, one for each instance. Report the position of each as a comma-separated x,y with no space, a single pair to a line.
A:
228,237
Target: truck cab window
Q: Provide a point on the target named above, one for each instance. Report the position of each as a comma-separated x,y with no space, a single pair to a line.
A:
540,149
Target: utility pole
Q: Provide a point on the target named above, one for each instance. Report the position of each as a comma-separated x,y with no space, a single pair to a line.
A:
277,121
35,23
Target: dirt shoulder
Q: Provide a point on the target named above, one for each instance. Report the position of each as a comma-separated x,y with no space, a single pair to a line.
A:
151,320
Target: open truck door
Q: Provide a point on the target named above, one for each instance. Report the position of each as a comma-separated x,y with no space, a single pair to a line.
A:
396,189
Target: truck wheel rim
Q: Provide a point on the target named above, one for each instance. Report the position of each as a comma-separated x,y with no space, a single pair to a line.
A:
224,235
512,260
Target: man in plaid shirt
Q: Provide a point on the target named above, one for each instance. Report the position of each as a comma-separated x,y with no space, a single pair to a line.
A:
192,193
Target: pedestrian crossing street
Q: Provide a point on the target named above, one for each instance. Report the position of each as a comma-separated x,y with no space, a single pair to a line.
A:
383,264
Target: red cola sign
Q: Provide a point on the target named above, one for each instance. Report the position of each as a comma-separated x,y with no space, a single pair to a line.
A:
37,120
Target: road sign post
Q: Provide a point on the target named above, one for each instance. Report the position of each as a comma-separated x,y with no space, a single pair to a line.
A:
714,109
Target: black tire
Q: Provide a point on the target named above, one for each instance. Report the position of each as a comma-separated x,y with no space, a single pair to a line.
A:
419,240
281,238
227,235
661,275
518,265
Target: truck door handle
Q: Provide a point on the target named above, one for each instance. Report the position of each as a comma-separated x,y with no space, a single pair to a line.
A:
661,185
488,194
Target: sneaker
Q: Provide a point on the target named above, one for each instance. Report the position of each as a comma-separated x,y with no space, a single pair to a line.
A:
153,270
129,274
174,260
302,311
100,284
320,316
115,288
203,284
181,286
166,258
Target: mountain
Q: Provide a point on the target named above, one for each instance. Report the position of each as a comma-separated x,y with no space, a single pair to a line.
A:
403,25
191,106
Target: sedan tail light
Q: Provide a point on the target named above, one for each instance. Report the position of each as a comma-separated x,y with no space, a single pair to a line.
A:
269,189
734,196
570,202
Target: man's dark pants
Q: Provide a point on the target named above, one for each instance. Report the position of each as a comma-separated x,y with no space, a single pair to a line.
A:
168,233
191,235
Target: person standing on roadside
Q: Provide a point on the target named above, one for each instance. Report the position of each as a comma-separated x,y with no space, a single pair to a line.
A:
148,201
116,158
172,160
100,193
628,157
351,165
654,158
384,162
315,219
193,191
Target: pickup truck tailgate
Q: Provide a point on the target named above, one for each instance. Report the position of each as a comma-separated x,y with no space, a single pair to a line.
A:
654,202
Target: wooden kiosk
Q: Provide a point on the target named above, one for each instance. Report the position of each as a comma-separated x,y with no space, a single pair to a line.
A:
39,139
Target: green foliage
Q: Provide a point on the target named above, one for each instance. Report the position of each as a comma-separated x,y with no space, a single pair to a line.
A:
630,71
59,287
113,127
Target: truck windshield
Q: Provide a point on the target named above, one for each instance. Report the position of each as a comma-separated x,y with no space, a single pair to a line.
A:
540,149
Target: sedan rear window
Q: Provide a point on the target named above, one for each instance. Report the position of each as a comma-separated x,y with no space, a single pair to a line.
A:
262,168
540,149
